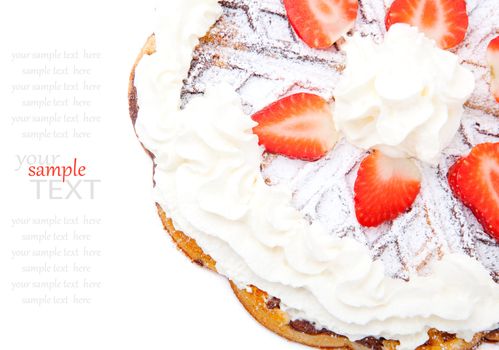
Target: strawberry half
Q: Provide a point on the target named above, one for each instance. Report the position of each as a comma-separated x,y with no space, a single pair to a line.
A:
320,23
385,188
445,21
298,126
476,183
493,62
452,177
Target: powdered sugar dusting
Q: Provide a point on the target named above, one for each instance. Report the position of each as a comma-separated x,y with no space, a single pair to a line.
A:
253,48
483,27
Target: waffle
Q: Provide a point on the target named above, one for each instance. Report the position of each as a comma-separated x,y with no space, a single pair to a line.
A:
265,65
253,48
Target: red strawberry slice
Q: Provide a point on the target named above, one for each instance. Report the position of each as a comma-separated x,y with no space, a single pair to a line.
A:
388,21
452,177
477,185
493,62
298,126
385,188
320,23
445,21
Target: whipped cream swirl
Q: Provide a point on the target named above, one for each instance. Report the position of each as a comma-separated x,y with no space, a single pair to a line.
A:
208,181
404,97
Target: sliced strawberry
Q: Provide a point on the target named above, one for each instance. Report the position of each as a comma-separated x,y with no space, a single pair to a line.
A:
298,126
385,188
445,21
320,23
493,62
388,21
477,184
452,177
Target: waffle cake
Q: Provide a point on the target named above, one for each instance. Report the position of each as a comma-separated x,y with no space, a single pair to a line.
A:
253,48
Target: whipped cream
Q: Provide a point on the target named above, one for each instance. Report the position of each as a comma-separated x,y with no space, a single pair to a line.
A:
404,97
208,181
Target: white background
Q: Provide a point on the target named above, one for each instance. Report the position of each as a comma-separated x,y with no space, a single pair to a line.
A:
151,296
